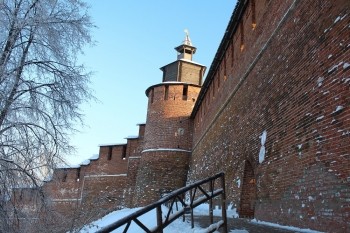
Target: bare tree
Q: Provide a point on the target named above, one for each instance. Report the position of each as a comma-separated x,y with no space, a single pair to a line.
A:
41,88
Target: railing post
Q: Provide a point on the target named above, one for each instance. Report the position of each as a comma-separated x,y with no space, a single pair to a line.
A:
211,188
191,202
223,203
159,219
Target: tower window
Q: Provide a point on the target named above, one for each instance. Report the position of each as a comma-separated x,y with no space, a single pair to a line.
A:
124,152
213,87
78,174
64,178
110,150
225,75
242,35
232,53
152,95
184,92
218,78
166,92
253,14
208,93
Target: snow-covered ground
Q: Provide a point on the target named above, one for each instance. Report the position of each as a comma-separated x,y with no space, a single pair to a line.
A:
178,226
149,219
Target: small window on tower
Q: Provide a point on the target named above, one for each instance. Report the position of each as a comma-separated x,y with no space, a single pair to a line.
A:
232,53
253,14
152,96
218,78
166,92
64,178
78,174
224,64
124,152
185,92
242,36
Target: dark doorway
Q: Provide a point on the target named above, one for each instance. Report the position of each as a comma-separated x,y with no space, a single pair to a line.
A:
248,194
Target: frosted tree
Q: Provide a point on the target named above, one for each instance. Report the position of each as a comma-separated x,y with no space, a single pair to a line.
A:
41,88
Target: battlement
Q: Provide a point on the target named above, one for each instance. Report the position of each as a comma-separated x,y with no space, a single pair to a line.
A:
176,91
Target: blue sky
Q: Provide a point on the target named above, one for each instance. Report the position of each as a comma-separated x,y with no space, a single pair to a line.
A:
133,40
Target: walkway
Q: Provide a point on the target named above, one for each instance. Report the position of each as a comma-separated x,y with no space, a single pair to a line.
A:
240,225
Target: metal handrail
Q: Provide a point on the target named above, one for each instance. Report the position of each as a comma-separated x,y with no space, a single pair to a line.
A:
174,198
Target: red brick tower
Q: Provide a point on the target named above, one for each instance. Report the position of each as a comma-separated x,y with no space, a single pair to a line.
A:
168,132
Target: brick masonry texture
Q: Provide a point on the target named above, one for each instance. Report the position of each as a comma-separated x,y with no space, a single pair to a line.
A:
168,168
291,80
273,113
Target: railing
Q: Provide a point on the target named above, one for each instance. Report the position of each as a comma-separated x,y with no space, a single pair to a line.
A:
197,194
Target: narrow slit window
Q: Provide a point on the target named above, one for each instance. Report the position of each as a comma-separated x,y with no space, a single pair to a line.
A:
152,96
204,107
209,91
64,178
232,53
218,78
78,174
225,74
110,150
185,92
166,92
252,2
213,87
124,152
242,35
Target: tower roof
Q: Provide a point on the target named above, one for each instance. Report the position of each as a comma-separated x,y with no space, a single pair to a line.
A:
187,40
186,49
184,70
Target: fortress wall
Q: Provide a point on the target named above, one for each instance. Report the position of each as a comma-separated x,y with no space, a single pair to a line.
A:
133,167
75,196
289,83
102,194
64,184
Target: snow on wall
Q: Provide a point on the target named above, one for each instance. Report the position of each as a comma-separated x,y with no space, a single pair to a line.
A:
262,148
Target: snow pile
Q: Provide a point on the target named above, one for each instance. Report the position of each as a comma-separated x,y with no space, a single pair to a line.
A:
320,81
203,210
94,157
238,182
338,109
290,228
149,219
178,226
85,162
165,149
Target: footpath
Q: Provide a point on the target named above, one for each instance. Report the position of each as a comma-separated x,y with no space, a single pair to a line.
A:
239,225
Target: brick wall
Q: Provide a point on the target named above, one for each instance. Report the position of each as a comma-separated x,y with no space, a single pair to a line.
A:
290,79
160,172
76,196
